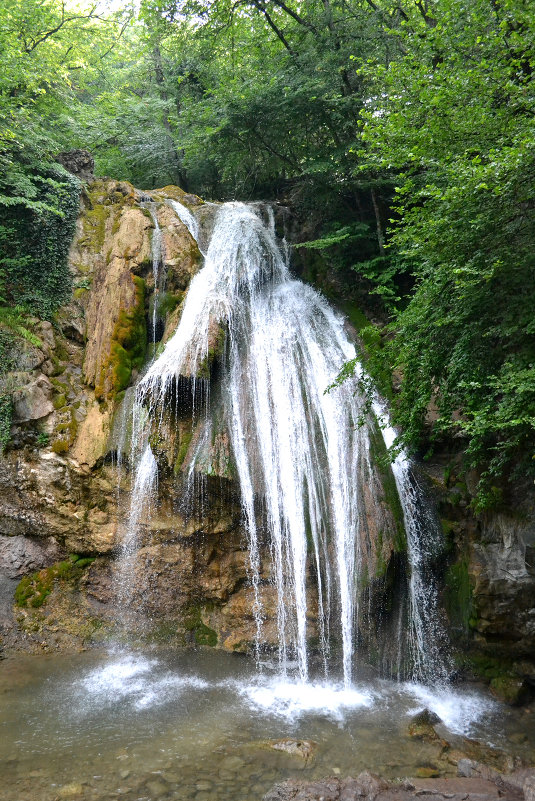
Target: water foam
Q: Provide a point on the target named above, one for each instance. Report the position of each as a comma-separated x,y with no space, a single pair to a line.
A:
138,680
294,699
459,711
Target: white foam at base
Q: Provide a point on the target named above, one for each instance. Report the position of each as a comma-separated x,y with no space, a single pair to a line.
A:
142,683
458,711
290,699
135,679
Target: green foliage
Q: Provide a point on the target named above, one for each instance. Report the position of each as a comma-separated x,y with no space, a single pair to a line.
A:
6,413
454,117
51,52
43,439
39,280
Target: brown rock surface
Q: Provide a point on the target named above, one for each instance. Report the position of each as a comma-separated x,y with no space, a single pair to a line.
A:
369,787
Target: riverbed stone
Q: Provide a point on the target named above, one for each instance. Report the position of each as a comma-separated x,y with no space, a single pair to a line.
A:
369,787
68,791
303,749
157,787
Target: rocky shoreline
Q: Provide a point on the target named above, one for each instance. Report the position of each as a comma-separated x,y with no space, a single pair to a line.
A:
474,783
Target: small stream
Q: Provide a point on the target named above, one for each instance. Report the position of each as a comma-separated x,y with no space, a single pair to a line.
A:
183,725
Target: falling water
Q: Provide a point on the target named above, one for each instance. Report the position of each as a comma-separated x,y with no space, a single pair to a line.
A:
130,437
427,636
185,215
303,450
157,269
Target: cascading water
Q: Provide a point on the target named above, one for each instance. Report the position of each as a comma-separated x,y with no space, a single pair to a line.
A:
185,215
427,637
158,272
302,455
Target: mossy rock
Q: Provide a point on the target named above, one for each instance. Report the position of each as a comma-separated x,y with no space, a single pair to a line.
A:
128,347
458,598
183,448
511,690
427,773
381,460
215,350
202,634
33,590
421,726
59,402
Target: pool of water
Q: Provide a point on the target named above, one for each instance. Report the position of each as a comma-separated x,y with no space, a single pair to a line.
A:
196,725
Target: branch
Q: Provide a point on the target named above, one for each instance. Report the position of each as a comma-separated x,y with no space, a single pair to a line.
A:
261,7
297,17
64,21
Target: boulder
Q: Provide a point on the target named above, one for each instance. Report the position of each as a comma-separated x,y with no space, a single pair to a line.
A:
303,749
33,401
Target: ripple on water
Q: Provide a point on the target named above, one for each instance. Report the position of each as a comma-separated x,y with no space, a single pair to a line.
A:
190,724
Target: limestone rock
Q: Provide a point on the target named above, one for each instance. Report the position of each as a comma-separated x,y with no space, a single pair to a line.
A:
182,258
70,319
93,435
303,749
33,401
20,555
422,725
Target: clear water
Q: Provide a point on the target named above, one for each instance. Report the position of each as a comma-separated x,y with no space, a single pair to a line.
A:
193,725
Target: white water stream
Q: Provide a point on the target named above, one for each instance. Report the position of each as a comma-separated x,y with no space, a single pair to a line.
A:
300,449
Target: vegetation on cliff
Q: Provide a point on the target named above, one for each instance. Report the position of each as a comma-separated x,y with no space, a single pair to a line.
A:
400,133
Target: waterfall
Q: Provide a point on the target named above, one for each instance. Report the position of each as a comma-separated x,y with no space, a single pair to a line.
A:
185,215
158,271
427,636
302,455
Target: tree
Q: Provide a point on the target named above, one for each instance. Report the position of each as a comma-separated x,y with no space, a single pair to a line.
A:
455,118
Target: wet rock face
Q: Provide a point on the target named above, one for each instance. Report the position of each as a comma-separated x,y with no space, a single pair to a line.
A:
59,493
504,581
489,584
20,555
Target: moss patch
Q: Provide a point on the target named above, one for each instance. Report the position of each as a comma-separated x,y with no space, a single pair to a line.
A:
381,460
128,347
203,634
66,431
504,682
458,596
94,223
355,315
32,591
182,451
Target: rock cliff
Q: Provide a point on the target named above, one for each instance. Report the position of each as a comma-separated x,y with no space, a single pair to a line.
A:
63,498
